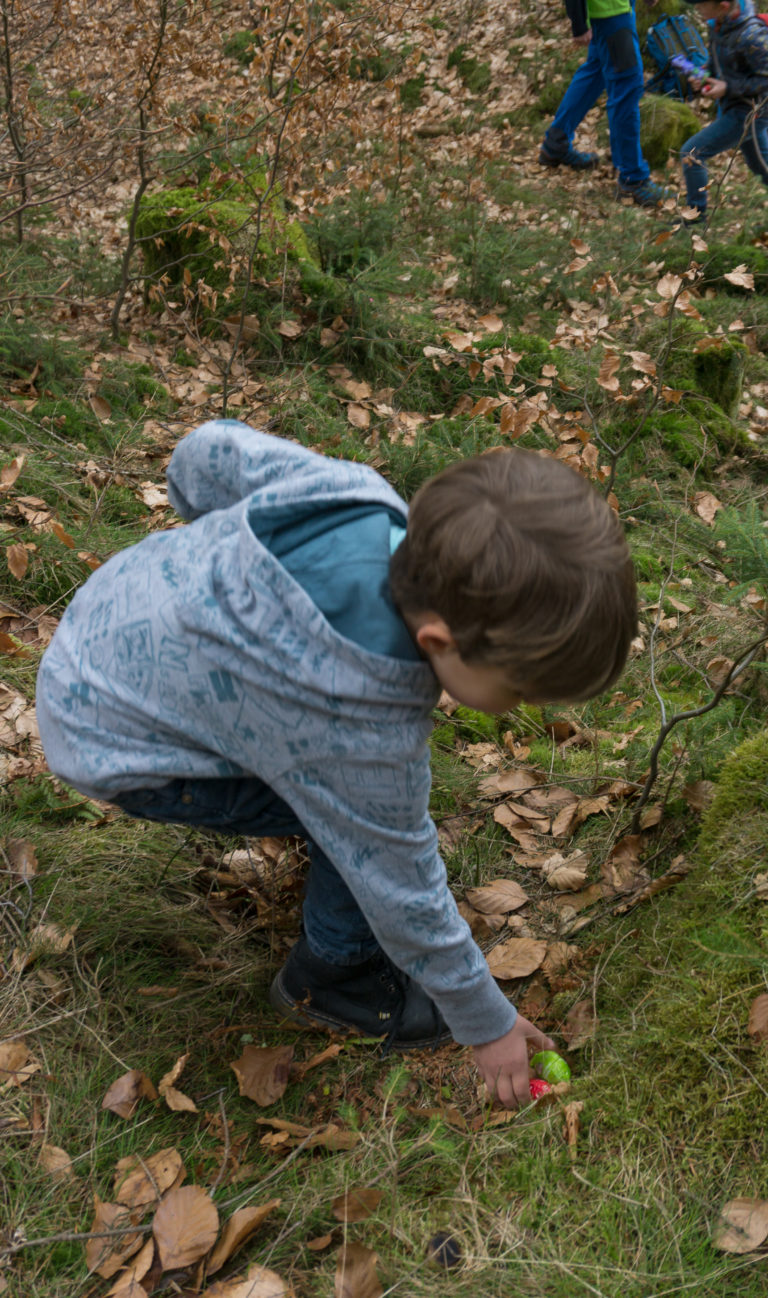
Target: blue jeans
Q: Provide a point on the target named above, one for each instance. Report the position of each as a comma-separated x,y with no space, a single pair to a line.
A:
613,64
335,927
731,129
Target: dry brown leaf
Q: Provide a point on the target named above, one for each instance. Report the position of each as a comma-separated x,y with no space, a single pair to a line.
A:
497,897
607,373
356,1273
45,939
17,557
559,957
124,1094
100,407
699,794
22,857
740,276
317,1244
262,1072
481,926
356,1204
185,1226
290,328
238,1229
62,535
516,958
706,506
143,1180
622,871
17,1063
358,416
510,782
105,1256
127,1285
566,873
177,1101
57,1162
331,1052
590,807
669,285
758,1018
10,472
580,1024
743,1226
257,1283
330,1136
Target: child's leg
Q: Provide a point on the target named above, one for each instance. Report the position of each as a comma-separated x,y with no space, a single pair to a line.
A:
619,51
587,84
754,146
335,926
724,132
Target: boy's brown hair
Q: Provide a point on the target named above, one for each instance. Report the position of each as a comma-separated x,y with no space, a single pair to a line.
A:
529,568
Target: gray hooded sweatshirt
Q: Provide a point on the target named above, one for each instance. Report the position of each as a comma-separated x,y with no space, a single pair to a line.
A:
194,654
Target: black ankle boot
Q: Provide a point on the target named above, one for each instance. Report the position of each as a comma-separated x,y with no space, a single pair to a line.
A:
372,999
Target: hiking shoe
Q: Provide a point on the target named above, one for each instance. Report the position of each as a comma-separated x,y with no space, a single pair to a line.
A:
646,193
372,999
567,157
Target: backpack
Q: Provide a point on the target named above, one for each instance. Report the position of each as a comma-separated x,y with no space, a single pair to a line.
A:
672,35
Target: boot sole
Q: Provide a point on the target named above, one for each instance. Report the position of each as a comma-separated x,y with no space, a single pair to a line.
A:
561,162
295,1012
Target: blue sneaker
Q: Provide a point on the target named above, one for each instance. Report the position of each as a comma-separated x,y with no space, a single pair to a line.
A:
646,193
566,157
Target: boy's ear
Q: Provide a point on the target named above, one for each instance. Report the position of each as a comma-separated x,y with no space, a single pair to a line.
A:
434,636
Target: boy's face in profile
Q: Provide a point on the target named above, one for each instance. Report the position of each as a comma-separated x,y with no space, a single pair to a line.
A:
481,686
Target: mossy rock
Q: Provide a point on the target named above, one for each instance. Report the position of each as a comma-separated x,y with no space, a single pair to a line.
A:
719,372
713,367
181,231
735,826
665,125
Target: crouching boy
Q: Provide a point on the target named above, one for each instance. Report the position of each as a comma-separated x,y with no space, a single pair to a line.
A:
737,78
271,669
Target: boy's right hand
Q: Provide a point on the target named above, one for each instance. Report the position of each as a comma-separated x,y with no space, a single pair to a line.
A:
503,1064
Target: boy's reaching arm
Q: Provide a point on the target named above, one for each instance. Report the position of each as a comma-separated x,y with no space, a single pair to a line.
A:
223,461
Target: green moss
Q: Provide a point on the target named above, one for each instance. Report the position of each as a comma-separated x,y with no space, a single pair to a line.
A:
476,726
241,46
720,260
475,75
180,231
738,815
719,373
665,125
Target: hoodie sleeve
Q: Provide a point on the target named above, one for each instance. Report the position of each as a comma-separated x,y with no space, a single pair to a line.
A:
384,845
223,461
577,13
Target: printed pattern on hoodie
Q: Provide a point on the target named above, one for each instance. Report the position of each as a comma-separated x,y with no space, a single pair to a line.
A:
195,654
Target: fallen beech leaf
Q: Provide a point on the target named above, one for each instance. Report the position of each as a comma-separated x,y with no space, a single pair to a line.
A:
516,958
22,857
580,1024
497,897
699,794
320,1242
10,472
289,328
706,505
17,557
622,871
566,873
45,939
127,1284
559,957
123,1095
105,1256
356,1273
758,1018
358,416
238,1229
510,782
100,407
62,535
17,1063
330,1136
356,1204
607,373
262,1072
743,1226
258,1283
669,285
57,1162
331,1052
185,1226
143,1180
177,1101
481,926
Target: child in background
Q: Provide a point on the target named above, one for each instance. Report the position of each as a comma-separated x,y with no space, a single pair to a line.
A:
613,64
737,78
272,669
